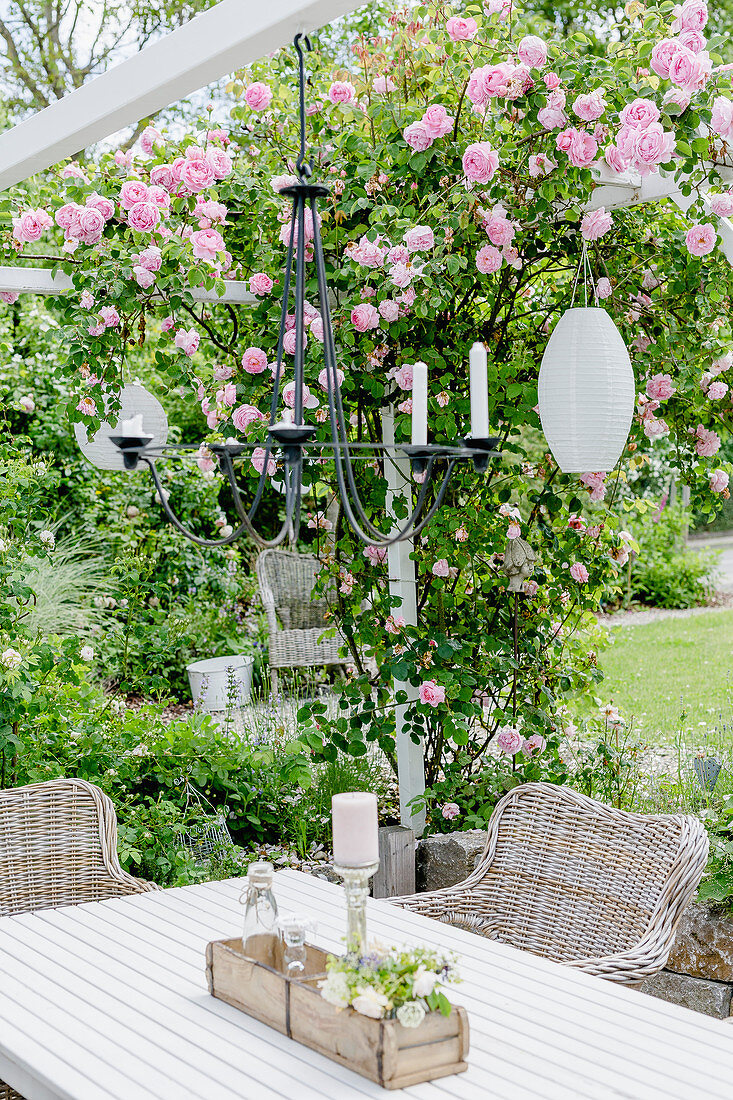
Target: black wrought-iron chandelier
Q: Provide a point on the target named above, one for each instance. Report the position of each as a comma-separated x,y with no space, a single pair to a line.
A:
291,442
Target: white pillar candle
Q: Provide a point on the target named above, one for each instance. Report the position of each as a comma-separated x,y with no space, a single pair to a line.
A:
133,426
419,405
479,392
355,829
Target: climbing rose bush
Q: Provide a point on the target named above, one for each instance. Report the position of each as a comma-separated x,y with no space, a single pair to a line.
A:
462,148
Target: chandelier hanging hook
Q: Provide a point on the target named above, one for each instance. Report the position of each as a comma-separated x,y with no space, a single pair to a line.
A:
303,167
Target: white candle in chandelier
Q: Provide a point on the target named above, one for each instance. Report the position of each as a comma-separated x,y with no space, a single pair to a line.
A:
355,829
479,383
419,405
132,427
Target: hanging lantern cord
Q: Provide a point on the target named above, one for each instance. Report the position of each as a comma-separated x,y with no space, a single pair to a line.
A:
585,266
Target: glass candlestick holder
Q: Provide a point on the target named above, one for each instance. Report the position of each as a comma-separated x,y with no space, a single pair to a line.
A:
356,887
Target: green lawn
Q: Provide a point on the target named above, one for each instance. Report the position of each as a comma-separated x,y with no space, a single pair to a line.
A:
656,671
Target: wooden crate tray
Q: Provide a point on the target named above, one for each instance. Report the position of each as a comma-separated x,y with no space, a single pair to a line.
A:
382,1050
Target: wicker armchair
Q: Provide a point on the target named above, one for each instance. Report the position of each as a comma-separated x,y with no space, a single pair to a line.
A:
574,880
58,846
295,622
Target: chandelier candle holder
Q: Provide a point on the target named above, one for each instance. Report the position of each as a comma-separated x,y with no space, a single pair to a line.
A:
355,859
291,441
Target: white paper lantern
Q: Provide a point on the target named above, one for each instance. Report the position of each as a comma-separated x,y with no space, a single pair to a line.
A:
134,400
586,391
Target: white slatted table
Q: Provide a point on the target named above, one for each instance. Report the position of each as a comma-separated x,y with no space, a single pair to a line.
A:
109,1000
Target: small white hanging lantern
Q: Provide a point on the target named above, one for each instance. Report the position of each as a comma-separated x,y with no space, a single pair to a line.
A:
586,391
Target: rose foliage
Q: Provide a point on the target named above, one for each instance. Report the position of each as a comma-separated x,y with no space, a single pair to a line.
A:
461,151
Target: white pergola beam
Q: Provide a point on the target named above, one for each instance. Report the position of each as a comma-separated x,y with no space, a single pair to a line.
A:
212,45
38,280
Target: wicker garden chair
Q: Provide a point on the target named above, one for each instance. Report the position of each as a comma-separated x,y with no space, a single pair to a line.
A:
295,622
58,846
574,880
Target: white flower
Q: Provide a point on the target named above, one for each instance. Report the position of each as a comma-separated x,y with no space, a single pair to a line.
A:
11,659
86,653
27,404
411,1014
48,539
226,531
335,989
424,982
3,546
370,1002
118,706
139,750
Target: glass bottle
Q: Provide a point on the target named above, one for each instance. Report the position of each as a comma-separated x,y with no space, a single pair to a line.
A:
294,931
260,934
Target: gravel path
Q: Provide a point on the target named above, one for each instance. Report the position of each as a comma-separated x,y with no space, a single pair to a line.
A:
724,602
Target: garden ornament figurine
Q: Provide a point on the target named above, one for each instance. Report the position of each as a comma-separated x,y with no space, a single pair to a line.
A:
519,559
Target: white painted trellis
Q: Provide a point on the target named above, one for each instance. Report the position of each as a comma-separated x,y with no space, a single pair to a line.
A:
228,36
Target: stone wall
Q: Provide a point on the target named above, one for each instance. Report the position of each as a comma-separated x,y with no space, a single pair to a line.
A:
699,972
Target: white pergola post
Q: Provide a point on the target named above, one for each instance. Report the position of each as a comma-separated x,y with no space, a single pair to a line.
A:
403,584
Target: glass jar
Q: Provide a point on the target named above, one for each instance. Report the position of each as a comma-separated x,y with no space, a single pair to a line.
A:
260,931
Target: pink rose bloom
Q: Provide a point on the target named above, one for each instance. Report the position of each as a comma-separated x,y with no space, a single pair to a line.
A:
708,443
149,138
404,377
534,745
662,56
717,391
161,176
376,554
260,283
552,116
721,121
540,165
143,217
317,328
480,162
395,623
509,740
639,113
389,309
29,226
323,378
441,568
90,226
496,80
615,160
660,387
258,461
651,147
254,361
167,324
590,106
365,316
532,52
143,277
86,300
432,693
692,15
419,239
197,175
604,288
98,202
689,70
461,29
227,395
342,91
68,215
476,87
578,572
499,229
289,342
383,84
220,163
722,204
207,243
437,121
151,258
595,224
529,588
244,416
580,147
488,259
187,340
551,81
719,481
725,362
450,810
109,317
131,192
701,239
258,96
654,427
417,136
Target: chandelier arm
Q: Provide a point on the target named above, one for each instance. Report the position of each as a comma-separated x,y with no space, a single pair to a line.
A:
173,518
247,516
283,317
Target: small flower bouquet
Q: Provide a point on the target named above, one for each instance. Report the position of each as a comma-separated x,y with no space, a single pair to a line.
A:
391,983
